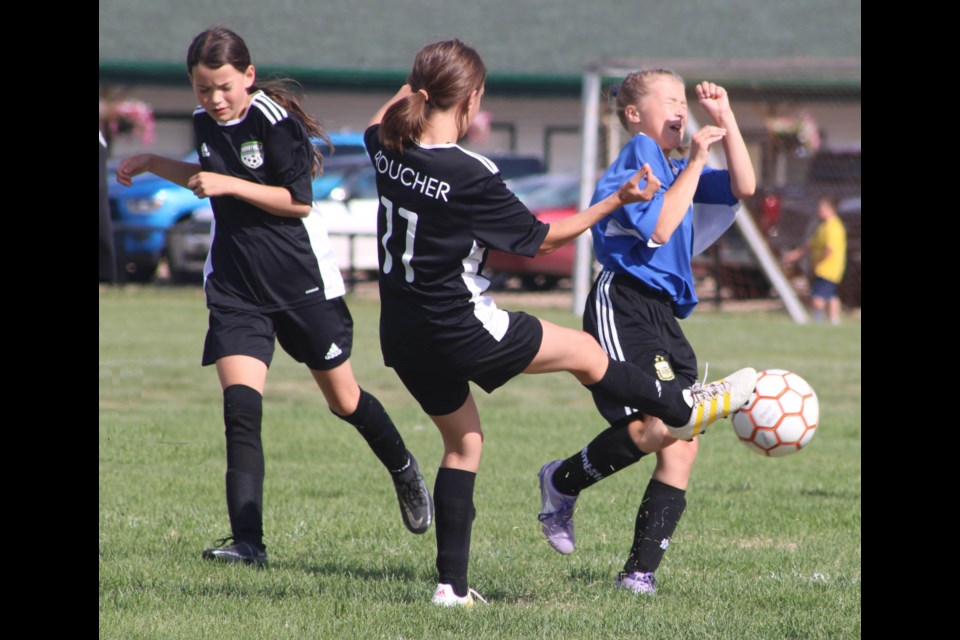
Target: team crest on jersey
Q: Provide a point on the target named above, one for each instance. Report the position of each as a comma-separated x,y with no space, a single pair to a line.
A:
663,369
204,150
252,154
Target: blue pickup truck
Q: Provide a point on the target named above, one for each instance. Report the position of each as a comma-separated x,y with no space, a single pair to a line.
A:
150,213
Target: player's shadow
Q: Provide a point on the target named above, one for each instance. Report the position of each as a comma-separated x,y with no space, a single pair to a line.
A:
400,573
590,575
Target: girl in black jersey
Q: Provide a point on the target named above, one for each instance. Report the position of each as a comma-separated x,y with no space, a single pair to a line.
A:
270,274
441,208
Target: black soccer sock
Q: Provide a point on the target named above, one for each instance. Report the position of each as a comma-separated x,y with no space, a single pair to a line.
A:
242,415
376,427
612,450
657,519
454,513
627,383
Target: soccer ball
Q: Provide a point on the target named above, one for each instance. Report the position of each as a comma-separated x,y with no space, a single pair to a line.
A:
781,416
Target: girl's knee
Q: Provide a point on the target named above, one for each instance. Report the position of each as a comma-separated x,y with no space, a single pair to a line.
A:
679,453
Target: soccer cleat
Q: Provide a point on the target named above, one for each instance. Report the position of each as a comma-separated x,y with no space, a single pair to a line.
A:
710,402
556,511
238,552
445,596
637,582
416,505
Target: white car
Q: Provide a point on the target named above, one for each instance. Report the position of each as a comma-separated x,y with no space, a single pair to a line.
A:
349,214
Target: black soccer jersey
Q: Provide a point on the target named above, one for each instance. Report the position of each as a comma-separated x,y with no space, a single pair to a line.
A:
259,260
441,208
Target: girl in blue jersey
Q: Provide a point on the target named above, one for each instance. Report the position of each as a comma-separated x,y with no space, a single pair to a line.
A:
441,208
645,285
270,275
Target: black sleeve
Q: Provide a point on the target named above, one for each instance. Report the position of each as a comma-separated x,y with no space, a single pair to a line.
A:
371,141
504,223
289,153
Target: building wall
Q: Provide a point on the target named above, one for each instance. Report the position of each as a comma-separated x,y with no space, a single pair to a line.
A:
529,118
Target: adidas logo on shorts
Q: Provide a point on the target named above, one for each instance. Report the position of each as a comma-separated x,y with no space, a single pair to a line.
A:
333,351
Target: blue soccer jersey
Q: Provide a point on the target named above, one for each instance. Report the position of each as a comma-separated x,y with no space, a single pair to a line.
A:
622,241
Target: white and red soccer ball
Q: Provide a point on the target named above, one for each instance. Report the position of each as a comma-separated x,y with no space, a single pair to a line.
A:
780,417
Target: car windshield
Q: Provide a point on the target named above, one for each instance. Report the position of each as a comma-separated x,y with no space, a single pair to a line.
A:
336,171
548,191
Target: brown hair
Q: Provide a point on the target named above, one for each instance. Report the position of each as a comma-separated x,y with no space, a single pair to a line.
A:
635,86
218,46
443,77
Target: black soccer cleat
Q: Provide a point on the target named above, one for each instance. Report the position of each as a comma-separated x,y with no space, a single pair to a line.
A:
416,505
238,552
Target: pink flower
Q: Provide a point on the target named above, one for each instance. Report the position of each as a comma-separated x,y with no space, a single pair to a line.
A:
128,116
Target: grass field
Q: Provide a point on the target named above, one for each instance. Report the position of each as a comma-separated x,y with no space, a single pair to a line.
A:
767,548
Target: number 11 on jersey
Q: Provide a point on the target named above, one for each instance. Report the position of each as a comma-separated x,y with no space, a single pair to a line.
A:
407,256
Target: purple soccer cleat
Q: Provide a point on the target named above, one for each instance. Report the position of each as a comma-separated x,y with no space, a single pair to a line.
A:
556,512
637,582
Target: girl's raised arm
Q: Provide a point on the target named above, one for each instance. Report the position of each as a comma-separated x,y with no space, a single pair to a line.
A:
743,179
400,95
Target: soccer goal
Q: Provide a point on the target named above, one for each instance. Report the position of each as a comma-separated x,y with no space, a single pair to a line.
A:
788,111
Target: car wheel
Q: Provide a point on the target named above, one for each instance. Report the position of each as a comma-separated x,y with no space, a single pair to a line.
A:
539,281
184,240
179,276
139,272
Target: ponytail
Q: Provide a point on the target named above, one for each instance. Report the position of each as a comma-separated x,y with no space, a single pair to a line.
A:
444,76
404,121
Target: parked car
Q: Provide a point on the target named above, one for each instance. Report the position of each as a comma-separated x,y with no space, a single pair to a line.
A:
514,165
349,213
187,246
152,211
143,213
787,214
550,197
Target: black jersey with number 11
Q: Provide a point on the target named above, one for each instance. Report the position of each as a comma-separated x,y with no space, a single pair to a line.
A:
441,208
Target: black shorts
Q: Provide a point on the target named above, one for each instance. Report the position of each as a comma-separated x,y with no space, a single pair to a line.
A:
319,335
441,389
636,324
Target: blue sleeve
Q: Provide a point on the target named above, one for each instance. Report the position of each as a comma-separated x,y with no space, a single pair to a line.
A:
714,188
641,216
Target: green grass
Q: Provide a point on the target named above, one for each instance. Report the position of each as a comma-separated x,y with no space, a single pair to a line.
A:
767,548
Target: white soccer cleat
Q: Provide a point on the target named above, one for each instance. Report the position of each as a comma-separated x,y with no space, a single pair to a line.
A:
715,400
445,597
